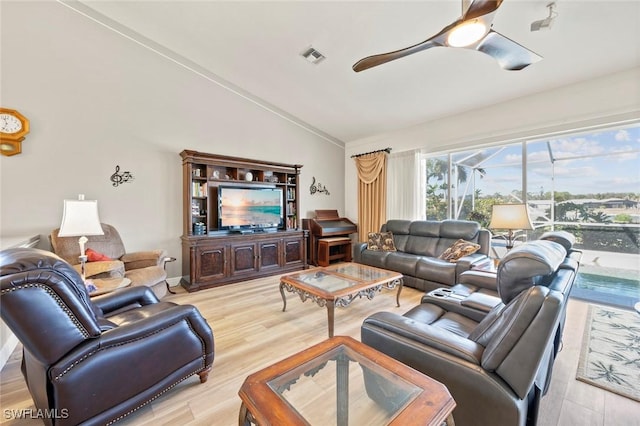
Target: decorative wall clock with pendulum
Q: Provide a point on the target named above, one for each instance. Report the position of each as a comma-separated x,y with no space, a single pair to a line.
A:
13,128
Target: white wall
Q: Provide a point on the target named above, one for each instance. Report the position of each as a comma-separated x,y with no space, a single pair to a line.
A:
96,100
599,101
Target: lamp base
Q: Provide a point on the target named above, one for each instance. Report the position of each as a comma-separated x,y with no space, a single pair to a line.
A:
83,261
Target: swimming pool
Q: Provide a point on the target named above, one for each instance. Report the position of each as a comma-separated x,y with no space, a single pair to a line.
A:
607,289
609,284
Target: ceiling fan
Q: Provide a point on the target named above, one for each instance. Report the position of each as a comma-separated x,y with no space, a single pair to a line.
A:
471,31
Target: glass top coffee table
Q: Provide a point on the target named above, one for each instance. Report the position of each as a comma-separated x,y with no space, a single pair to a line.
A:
342,381
339,285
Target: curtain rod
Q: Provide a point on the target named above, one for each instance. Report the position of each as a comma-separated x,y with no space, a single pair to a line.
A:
387,150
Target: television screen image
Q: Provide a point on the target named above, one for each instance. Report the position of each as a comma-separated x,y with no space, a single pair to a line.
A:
248,207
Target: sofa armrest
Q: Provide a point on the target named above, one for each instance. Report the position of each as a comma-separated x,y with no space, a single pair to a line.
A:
143,259
437,338
466,262
481,279
129,297
481,302
358,248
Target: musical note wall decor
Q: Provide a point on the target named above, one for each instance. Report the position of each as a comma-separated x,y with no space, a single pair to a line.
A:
318,188
119,178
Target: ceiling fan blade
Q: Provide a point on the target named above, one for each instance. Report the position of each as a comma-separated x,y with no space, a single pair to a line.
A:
375,60
509,54
479,8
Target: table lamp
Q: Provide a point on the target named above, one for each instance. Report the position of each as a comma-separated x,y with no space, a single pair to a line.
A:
510,217
79,219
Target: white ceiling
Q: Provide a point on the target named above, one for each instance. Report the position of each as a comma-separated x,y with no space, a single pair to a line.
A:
256,47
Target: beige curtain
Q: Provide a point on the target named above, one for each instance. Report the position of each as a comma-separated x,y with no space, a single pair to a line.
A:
372,194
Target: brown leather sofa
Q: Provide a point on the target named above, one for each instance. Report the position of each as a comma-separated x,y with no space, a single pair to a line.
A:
496,368
93,361
142,267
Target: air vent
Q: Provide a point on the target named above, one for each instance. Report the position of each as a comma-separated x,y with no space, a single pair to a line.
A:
312,55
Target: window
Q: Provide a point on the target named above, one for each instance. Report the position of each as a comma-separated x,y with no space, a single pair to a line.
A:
585,178
587,183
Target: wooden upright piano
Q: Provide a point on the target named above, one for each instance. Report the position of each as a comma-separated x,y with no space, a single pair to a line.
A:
327,225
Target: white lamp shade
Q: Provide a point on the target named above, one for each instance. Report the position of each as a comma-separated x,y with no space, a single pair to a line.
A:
510,216
80,218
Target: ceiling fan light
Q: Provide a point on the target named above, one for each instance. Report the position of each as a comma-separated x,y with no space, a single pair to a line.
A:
466,33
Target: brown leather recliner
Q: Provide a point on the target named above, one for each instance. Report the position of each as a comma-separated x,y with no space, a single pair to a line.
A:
94,360
496,368
141,267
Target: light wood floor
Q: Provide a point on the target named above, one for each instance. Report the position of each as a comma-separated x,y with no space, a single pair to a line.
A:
251,332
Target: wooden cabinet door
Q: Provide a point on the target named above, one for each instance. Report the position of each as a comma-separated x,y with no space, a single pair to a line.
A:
293,251
244,258
211,262
269,257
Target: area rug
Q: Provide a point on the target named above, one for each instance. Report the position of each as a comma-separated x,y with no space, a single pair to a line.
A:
610,356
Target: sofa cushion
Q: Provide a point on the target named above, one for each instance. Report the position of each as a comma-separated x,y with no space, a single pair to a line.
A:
435,316
459,249
400,231
375,258
404,263
421,245
425,228
381,241
459,229
563,238
397,227
528,265
438,270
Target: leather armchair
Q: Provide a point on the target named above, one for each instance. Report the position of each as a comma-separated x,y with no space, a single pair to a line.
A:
143,268
496,368
95,360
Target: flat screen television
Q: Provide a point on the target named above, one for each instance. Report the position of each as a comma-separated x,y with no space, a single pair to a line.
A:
243,208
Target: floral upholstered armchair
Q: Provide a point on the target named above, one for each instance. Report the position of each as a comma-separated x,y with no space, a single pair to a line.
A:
107,258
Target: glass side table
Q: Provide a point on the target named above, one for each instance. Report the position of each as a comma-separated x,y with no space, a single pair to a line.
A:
342,381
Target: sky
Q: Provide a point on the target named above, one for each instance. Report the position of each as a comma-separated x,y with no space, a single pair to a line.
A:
583,164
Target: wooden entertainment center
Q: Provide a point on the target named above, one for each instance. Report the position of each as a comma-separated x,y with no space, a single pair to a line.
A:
215,253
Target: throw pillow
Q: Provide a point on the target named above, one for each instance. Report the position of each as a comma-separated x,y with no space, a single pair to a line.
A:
94,256
459,249
381,241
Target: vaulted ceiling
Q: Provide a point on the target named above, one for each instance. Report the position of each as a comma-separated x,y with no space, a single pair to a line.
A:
255,47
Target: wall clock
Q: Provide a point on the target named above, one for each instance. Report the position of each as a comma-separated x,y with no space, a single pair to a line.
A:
13,128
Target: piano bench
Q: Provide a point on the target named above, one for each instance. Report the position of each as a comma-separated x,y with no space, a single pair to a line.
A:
326,254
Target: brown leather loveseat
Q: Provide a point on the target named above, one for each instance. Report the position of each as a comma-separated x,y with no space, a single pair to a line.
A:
92,361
